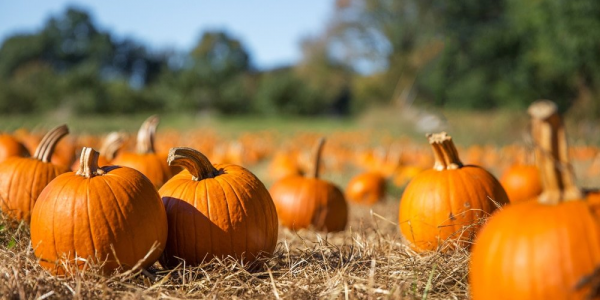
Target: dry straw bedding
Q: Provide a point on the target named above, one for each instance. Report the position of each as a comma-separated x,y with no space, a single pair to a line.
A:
367,261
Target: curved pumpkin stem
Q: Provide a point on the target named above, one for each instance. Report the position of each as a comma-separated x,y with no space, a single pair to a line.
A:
192,160
88,163
48,143
145,137
318,153
444,152
112,143
551,152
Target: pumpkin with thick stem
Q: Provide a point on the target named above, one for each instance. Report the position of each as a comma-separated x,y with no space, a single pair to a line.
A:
542,249
310,201
22,179
110,215
145,159
442,208
10,146
215,211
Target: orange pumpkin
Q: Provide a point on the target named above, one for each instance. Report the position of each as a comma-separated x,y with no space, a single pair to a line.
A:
110,146
448,202
22,179
521,182
309,201
146,160
215,211
10,146
366,188
111,215
543,249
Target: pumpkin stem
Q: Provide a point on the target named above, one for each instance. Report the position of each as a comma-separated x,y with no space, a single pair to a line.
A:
193,161
48,143
551,152
145,137
88,163
112,143
318,152
444,152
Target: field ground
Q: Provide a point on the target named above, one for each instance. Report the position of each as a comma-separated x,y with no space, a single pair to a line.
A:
367,261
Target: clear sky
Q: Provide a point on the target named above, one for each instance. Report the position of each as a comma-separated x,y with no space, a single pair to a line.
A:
270,29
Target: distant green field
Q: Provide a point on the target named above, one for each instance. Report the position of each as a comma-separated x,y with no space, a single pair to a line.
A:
493,127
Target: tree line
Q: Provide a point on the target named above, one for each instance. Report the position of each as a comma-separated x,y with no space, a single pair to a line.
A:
460,54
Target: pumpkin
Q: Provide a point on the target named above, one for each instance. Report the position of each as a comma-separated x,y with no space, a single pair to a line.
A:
22,179
145,159
215,211
108,150
110,215
310,201
542,249
366,188
10,146
441,208
521,182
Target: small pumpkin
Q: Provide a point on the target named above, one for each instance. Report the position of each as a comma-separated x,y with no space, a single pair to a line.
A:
215,211
10,146
447,203
111,215
112,143
22,179
521,182
546,248
310,201
366,188
145,159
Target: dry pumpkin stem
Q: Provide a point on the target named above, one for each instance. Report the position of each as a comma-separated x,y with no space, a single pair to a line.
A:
145,137
112,143
192,160
318,152
88,163
551,152
444,152
48,143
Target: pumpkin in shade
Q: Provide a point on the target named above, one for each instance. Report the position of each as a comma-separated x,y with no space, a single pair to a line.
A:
542,249
215,211
10,146
366,188
521,182
111,215
442,207
145,159
310,201
22,179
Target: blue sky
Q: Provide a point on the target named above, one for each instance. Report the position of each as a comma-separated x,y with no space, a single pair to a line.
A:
270,29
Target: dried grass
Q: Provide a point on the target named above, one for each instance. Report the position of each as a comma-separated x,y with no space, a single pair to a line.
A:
367,261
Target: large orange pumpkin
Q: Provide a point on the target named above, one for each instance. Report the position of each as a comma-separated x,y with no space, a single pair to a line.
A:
442,207
10,146
309,201
542,249
22,179
145,159
216,211
111,215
